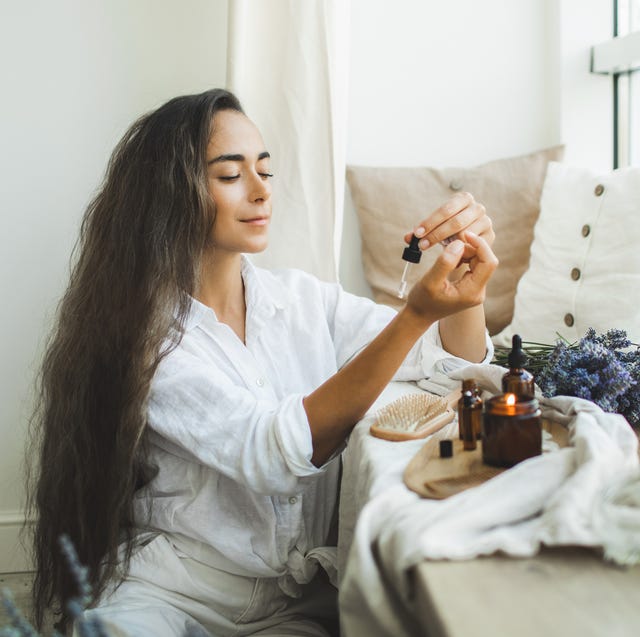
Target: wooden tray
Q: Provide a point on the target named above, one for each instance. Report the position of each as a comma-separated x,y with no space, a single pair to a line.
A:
431,476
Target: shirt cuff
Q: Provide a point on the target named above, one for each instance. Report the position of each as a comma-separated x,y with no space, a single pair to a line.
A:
293,435
436,359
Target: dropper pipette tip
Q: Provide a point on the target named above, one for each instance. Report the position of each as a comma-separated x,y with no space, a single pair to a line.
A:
402,289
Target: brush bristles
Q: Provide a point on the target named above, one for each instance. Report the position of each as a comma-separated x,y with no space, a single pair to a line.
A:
410,413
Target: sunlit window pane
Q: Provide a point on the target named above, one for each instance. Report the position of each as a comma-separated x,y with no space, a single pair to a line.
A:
628,16
628,91
634,119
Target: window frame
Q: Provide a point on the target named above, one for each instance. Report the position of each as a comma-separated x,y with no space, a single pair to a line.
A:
620,58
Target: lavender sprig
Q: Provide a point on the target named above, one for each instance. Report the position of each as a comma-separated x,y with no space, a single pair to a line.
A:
87,627
20,627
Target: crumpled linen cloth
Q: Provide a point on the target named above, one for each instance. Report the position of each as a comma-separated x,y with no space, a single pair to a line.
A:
587,494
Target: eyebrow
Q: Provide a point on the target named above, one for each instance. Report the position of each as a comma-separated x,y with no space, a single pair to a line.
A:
215,160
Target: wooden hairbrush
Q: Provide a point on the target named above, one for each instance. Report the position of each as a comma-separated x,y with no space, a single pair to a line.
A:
414,416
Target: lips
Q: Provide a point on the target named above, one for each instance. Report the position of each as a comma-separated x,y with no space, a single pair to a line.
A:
257,221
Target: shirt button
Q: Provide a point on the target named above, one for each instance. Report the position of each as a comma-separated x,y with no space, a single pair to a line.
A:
586,229
599,189
455,185
575,274
260,382
293,499
568,320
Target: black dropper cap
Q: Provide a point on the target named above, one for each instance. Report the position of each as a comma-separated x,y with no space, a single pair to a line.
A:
446,448
413,252
516,358
467,399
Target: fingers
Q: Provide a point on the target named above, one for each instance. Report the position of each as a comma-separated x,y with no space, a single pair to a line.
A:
483,263
448,261
436,296
483,227
454,217
455,225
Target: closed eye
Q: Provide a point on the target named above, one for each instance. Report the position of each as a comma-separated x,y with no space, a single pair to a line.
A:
234,177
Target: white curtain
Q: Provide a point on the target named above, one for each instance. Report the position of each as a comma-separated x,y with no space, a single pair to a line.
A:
287,61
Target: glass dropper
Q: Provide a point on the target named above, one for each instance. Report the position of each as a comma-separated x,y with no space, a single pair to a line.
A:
411,254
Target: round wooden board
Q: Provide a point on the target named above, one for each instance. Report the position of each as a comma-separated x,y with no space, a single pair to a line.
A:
431,476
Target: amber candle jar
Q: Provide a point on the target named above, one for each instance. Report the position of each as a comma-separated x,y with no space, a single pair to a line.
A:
511,430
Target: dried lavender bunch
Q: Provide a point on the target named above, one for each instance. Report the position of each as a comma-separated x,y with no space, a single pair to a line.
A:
86,627
20,627
603,368
77,605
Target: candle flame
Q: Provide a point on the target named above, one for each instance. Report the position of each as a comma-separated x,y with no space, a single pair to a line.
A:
510,399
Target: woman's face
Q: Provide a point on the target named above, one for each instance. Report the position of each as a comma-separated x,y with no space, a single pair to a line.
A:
238,175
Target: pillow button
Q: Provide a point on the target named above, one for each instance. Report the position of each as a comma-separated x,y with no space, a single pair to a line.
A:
568,320
575,274
598,190
455,185
586,230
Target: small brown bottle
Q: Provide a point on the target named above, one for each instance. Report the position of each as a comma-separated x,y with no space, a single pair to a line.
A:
470,385
518,380
469,420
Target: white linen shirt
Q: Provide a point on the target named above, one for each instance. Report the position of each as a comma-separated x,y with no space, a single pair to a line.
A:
235,486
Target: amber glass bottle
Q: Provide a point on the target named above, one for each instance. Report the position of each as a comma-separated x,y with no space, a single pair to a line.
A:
470,385
518,380
469,420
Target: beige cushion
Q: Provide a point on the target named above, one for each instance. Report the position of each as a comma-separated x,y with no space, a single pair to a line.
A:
391,201
585,258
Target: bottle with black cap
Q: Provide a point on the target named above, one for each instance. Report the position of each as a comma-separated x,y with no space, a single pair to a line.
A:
518,380
469,420
470,385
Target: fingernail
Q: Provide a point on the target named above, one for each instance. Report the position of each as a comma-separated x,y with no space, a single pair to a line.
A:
419,231
423,244
456,247
468,233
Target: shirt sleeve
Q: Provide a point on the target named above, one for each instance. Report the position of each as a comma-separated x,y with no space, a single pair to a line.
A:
428,357
355,321
200,414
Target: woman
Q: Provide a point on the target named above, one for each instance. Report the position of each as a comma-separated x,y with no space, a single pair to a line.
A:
193,407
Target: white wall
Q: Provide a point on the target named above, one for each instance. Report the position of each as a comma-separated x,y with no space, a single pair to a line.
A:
462,82
75,74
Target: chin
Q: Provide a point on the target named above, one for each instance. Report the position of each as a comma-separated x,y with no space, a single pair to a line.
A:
256,247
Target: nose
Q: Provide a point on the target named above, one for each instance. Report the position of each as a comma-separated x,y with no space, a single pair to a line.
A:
260,188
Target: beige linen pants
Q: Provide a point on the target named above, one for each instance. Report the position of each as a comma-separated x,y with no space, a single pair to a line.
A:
167,594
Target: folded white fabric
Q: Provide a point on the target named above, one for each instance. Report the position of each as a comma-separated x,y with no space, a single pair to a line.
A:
587,494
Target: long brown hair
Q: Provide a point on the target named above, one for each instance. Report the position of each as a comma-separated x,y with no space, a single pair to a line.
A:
138,258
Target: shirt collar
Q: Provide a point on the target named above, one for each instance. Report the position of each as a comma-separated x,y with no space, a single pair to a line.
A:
264,293
264,296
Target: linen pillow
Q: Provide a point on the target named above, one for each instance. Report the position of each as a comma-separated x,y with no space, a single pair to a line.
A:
391,201
585,258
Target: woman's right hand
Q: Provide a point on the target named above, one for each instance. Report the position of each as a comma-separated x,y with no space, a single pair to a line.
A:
434,296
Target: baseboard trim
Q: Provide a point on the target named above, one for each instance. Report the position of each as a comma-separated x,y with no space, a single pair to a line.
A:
13,556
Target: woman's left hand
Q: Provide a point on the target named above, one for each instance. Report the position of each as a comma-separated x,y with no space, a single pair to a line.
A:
460,213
